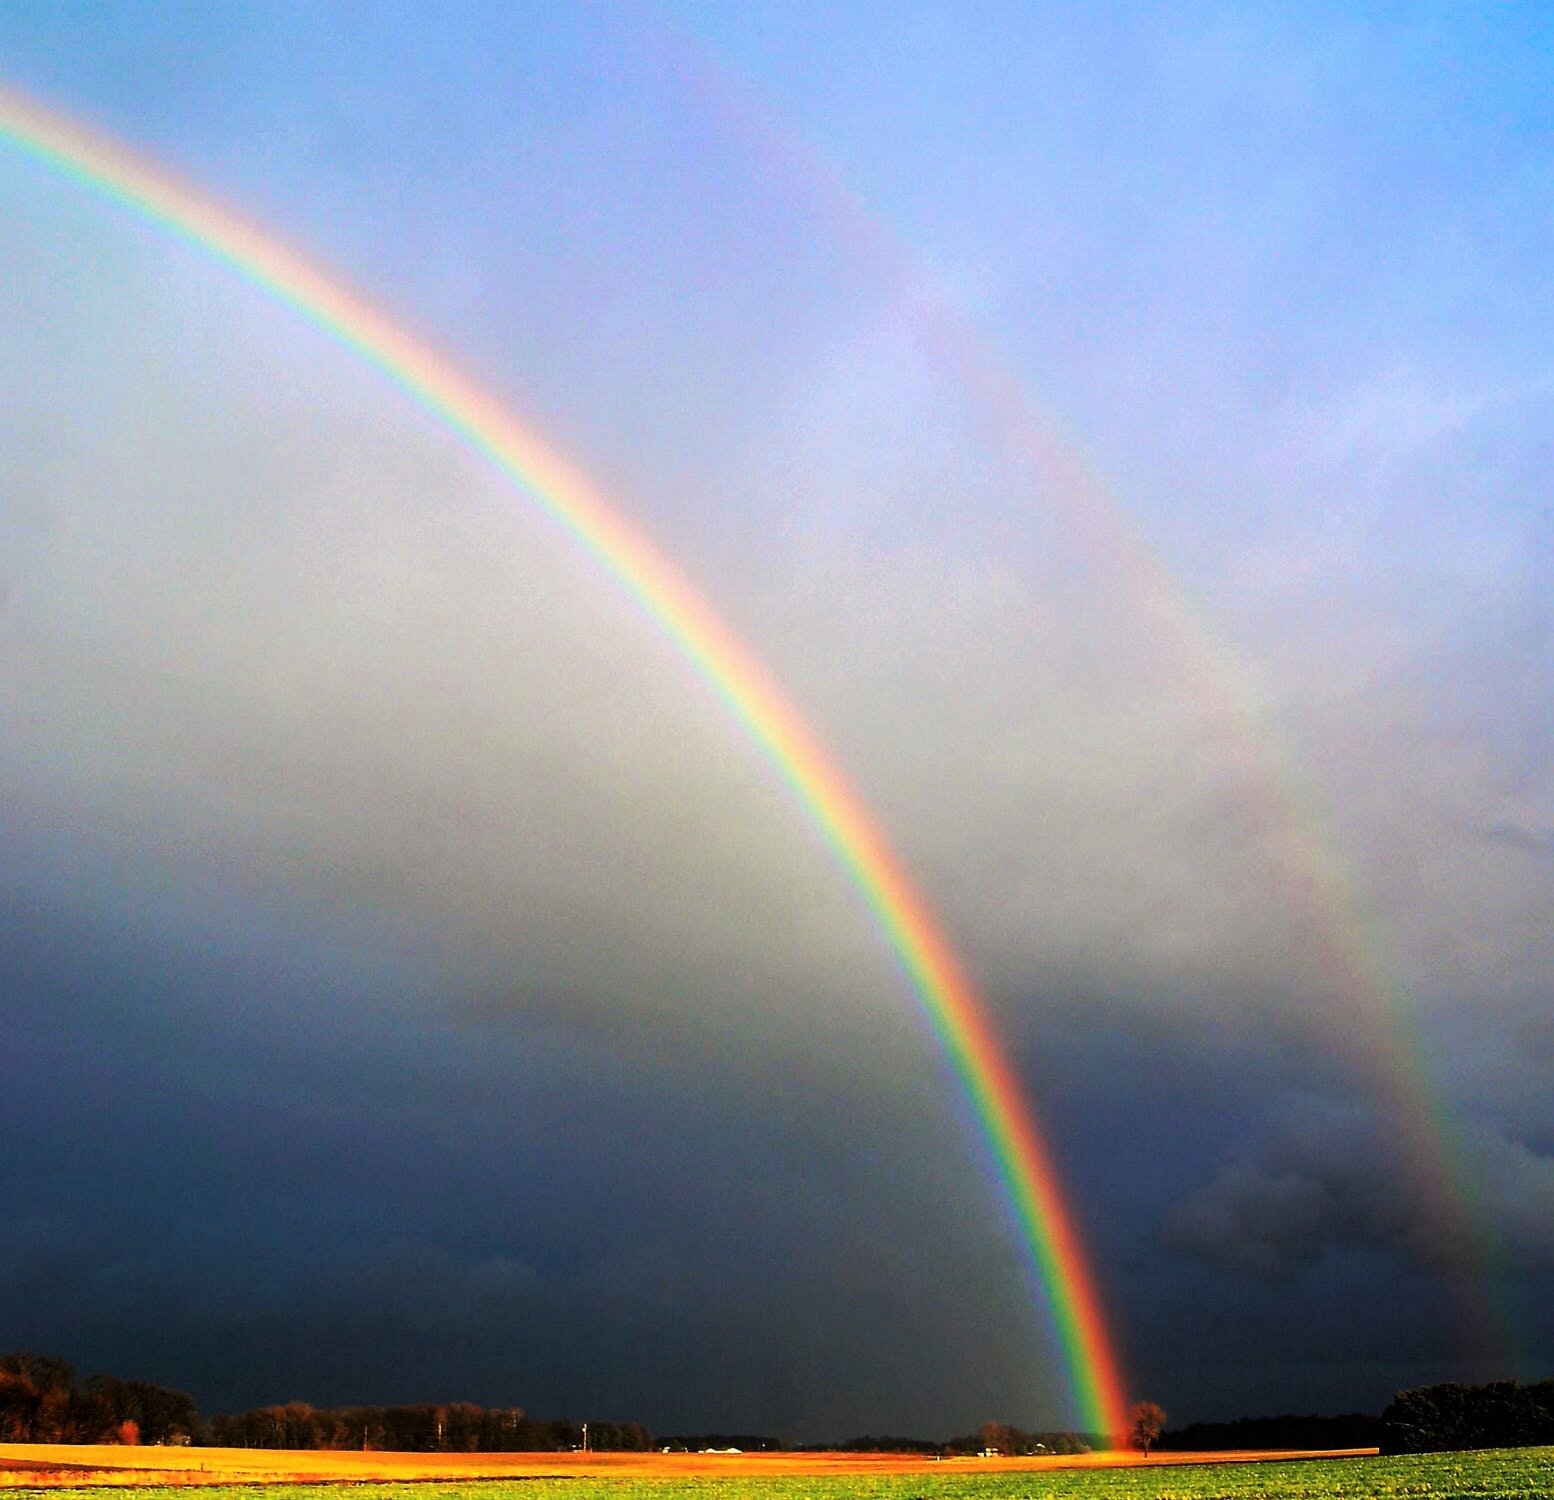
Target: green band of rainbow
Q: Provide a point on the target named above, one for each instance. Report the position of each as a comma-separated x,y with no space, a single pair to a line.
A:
937,978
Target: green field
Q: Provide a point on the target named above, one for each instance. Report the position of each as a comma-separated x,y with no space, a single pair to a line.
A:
1505,1474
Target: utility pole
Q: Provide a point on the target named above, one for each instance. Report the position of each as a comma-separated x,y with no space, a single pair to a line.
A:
585,1437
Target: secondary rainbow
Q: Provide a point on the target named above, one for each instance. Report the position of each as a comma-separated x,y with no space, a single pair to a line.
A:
1374,1023
1050,1238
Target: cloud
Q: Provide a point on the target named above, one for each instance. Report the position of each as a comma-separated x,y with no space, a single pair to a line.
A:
1256,1221
1511,1190
1537,841
1329,1181
1391,416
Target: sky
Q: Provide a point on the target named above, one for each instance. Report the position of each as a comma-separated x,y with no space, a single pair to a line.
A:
1124,432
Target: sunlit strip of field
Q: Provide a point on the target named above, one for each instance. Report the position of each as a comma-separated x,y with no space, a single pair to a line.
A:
53,1466
36,1465
161,1474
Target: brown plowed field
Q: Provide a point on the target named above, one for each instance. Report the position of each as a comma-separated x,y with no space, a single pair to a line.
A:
56,1465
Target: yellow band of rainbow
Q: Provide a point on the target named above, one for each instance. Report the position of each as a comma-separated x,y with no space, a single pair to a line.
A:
937,978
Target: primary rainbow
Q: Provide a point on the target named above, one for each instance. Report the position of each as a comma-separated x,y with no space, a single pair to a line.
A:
938,980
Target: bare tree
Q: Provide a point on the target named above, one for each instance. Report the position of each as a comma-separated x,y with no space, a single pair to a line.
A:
1145,1423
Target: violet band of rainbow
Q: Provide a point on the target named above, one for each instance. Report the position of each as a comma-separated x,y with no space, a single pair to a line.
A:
1047,1230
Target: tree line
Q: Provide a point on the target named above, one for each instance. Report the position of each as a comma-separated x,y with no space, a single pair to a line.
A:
42,1402
1010,1441
996,1437
1355,1430
451,1427
1438,1418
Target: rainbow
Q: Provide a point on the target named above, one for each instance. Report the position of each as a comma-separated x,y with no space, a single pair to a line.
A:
938,980
1370,1010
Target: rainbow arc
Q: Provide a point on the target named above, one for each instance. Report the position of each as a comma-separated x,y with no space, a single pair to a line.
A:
938,980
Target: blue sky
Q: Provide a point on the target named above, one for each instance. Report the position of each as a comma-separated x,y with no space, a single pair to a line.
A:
414,984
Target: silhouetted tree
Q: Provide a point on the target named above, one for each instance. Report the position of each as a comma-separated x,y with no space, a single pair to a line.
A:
1145,1423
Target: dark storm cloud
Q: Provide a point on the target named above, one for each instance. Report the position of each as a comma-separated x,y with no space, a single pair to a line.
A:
406,1211
1331,1181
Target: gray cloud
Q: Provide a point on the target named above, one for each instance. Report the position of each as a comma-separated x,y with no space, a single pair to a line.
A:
1538,841
1329,1182
1255,1220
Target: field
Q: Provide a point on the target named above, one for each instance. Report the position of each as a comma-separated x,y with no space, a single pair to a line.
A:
174,1474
